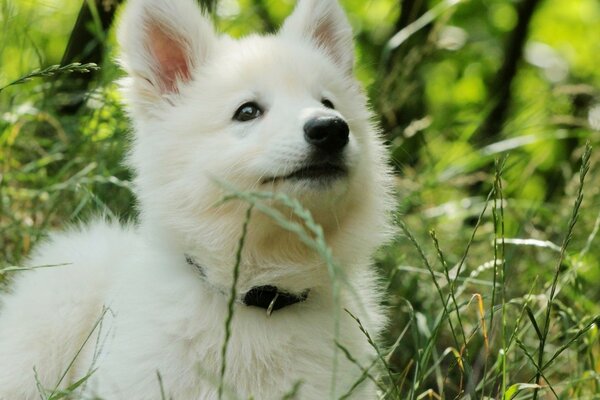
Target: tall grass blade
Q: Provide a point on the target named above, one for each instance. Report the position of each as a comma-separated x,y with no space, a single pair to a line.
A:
531,317
376,348
585,166
76,356
232,299
52,71
161,386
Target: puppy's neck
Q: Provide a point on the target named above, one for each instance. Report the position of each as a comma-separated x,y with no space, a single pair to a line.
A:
268,297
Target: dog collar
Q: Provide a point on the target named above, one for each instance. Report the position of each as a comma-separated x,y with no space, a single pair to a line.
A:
267,297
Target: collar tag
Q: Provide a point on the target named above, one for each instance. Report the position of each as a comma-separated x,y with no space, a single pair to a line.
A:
270,309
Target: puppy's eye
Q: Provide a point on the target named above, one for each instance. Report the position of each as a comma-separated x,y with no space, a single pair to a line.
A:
327,103
248,112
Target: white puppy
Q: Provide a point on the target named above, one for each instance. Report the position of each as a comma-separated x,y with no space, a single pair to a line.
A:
147,303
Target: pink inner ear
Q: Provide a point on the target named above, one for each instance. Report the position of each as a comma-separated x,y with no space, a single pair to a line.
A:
325,35
172,61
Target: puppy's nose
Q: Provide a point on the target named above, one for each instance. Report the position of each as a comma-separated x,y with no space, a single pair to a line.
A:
329,134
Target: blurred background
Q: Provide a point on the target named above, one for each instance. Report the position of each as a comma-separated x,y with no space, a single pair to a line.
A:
486,106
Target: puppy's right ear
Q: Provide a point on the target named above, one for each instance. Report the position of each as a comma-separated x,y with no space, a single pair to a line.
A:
162,43
325,24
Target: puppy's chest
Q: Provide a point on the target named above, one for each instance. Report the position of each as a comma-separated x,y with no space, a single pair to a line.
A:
174,326
265,356
264,359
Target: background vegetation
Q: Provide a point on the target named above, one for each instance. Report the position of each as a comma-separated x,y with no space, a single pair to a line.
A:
494,283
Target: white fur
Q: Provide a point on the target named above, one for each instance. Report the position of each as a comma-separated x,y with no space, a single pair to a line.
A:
163,317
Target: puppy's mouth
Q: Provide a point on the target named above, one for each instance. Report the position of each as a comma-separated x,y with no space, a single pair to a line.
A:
322,172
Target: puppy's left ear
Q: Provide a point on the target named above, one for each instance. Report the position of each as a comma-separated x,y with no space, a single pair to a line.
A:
325,24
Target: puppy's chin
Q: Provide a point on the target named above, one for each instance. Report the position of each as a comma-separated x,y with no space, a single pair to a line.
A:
311,188
323,180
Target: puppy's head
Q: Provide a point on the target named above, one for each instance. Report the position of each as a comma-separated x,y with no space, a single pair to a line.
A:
267,113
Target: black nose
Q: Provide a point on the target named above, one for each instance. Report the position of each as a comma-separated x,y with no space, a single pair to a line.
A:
329,134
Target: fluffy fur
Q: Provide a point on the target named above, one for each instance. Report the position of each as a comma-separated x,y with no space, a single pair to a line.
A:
185,83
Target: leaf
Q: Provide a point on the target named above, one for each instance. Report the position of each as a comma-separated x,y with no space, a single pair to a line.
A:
512,391
71,388
533,321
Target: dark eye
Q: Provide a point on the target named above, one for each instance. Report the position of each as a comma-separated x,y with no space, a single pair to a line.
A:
327,103
248,112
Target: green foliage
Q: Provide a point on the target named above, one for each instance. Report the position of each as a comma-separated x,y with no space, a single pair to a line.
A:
486,299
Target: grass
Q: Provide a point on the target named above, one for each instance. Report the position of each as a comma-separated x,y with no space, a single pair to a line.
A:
231,303
53,70
502,362
492,285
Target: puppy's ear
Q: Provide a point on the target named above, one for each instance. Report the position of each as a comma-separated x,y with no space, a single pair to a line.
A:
326,25
162,42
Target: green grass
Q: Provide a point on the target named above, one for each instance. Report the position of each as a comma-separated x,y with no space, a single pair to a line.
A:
492,282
